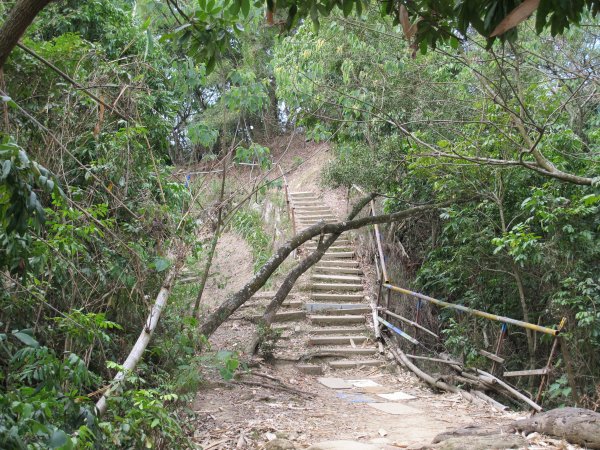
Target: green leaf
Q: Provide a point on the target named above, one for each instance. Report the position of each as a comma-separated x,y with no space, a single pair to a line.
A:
347,7
245,7
6,166
453,42
25,338
58,439
161,264
210,65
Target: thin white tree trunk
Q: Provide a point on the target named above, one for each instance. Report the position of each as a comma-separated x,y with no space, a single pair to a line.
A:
142,342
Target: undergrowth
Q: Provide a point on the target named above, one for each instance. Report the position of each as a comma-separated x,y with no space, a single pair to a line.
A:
248,224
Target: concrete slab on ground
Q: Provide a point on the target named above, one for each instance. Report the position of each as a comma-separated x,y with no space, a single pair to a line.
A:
343,445
363,383
394,408
334,383
353,397
395,396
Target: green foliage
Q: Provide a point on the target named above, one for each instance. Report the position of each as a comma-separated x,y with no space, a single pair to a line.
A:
254,154
267,340
20,205
246,92
457,340
140,418
248,224
229,363
202,134
40,406
217,23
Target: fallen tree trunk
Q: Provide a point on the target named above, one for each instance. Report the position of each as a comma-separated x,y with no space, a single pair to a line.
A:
269,315
576,425
405,361
229,306
144,338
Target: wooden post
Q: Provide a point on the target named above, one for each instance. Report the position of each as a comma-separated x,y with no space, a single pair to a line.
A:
388,299
417,315
503,331
544,379
570,375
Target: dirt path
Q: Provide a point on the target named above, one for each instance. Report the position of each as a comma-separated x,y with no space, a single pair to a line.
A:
274,405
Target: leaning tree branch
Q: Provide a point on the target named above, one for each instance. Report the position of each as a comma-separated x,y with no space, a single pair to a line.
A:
267,319
231,304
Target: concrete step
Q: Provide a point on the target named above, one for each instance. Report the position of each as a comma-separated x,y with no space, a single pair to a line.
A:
293,304
307,203
354,363
336,320
328,297
347,351
302,221
310,369
336,308
337,340
334,248
303,194
264,294
312,210
337,287
338,263
315,216
333,311
354,331
338,270
334,255
287,316
338,278
339,241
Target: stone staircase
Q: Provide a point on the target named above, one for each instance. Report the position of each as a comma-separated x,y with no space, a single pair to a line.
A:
336,335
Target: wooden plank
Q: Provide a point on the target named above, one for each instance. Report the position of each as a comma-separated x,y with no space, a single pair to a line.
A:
491,356
526,373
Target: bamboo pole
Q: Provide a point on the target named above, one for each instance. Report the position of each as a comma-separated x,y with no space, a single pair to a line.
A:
491,378
398,331
474,312
402,359
503,331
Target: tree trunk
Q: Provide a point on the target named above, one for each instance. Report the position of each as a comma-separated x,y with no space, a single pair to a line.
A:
229,306
267,319
576,425
19,18
144,338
